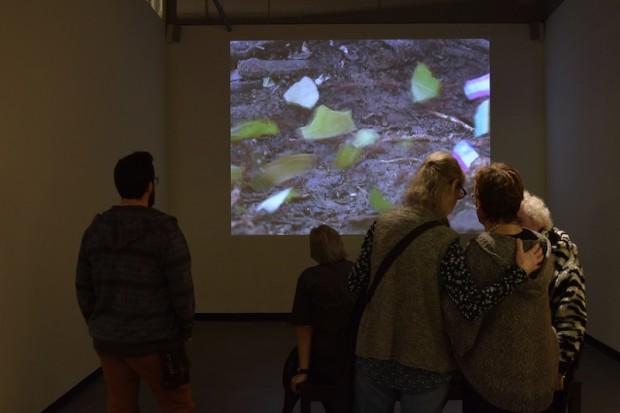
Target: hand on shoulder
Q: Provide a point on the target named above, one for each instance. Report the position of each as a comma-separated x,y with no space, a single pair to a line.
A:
529,260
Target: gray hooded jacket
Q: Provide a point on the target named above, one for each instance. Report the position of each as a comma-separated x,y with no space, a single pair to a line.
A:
510,354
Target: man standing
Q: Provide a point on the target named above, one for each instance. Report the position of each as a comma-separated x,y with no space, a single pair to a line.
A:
135,290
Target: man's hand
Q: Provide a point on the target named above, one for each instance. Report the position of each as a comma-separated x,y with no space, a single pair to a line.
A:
531,260
297,380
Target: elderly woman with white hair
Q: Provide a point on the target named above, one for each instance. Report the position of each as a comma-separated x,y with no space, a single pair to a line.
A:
566,292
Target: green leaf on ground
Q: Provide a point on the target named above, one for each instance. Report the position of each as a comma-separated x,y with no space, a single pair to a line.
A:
347,156
328,123
235,173
253,129
282,169
378,202
424,85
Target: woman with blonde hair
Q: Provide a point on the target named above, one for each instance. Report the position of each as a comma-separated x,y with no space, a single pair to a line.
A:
402,352
321,311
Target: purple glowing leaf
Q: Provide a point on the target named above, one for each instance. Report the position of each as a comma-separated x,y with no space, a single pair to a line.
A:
478,88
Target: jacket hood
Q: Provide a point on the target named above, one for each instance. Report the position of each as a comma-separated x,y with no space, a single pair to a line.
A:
502,249
122,225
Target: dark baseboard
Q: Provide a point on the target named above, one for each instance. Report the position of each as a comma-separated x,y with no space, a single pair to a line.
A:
242,316
58,404
603,348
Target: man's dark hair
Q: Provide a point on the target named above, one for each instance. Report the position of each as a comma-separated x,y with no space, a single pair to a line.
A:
133,173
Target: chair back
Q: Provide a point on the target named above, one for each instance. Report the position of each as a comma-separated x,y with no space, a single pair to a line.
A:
339,394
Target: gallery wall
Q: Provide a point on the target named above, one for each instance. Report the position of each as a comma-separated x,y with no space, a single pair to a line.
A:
582,88
81,85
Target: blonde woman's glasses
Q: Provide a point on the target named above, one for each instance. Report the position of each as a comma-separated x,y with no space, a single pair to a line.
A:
462,192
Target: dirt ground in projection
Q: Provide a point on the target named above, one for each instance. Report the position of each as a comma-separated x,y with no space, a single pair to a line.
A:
372,79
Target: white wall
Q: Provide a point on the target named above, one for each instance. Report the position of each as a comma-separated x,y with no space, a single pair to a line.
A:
258,274
583,89
81,85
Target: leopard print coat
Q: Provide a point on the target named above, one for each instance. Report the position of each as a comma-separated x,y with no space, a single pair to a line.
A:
567,297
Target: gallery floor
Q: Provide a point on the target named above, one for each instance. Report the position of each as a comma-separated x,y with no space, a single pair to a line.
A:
236,368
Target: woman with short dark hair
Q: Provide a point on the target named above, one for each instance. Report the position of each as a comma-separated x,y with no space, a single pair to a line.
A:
508,355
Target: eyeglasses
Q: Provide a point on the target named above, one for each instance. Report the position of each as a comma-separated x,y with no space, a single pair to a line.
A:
155,181
462,192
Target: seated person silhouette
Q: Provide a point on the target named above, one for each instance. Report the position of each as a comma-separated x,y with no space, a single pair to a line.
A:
321,312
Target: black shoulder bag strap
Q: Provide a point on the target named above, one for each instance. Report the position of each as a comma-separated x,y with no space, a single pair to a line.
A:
364,296
393,254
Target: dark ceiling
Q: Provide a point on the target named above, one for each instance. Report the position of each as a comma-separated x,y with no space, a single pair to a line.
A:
216,12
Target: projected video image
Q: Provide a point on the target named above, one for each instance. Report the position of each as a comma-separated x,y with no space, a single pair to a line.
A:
331,131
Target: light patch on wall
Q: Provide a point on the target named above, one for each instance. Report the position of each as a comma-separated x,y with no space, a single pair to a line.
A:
158,6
